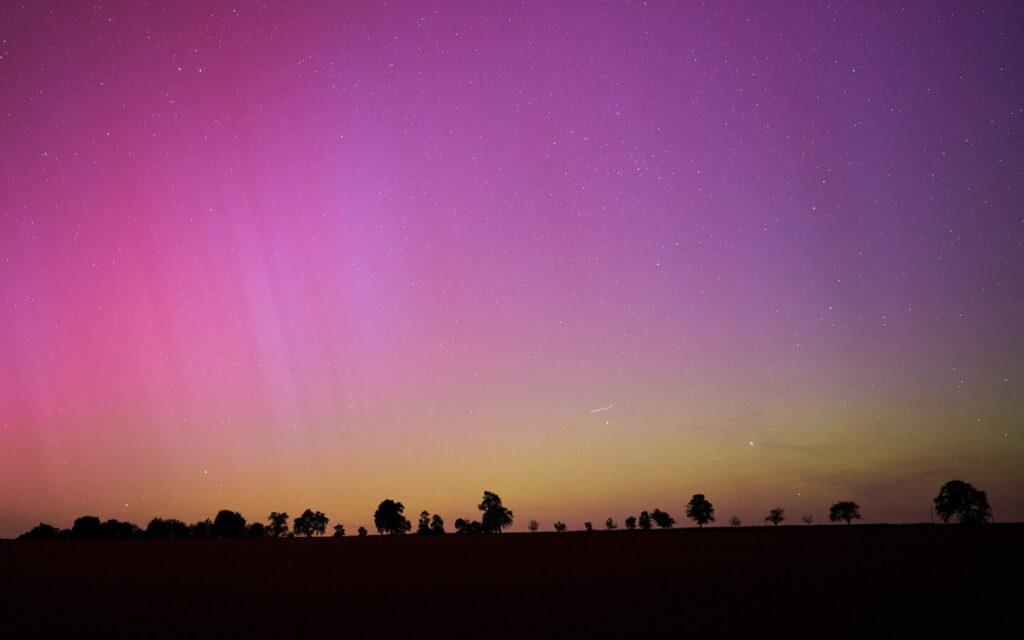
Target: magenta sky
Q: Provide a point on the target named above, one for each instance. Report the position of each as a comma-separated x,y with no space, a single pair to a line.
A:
270,256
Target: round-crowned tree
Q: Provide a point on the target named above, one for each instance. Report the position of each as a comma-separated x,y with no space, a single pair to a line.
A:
662,519
961,500
310,523
700,510
389,520
844,510
229,524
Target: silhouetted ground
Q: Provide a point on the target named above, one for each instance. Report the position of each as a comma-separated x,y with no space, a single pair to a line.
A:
795,581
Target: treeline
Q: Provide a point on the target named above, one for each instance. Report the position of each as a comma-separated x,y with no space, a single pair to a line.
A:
956,499
389,519
227,524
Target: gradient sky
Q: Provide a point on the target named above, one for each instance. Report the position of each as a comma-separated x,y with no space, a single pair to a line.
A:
271,256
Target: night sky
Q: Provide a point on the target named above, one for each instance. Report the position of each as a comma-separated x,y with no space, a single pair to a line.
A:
593,256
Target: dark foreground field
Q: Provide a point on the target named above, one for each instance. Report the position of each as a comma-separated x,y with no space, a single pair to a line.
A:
799,581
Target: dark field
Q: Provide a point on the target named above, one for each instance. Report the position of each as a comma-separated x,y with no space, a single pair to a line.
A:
796,581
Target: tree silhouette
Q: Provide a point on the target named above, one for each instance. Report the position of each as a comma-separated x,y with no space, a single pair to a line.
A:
533,526
631,523
171,528
361,531
700,510
960,499
645,521
339,530
496,517
610,524
388,518
662,519
257,530
775,516
437,525
310,523
278,524
589,526
423,527
229,524
842,510
86,528
117,530
735,522
559,527
202,529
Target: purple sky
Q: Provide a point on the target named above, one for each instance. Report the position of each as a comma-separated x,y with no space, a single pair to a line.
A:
317,254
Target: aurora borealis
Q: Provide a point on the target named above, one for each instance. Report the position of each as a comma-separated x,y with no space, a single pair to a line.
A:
593,256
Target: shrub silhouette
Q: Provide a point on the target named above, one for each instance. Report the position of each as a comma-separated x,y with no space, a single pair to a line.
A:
41,532
496,517
388,518
842,510
310,523
631,523
960,499
468,527
700,510
610,524
645,521
339,530
229,524
533,526
735,522
589,526
278,524
256,530
808,519
361,531
560,527
437,525
662,519
775,516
